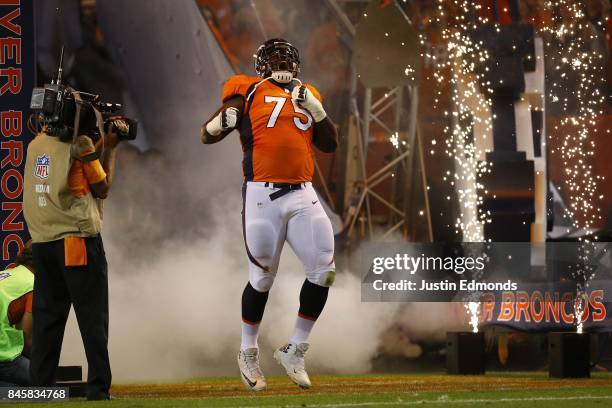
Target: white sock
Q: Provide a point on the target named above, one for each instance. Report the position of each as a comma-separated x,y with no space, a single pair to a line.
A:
249,336
302,330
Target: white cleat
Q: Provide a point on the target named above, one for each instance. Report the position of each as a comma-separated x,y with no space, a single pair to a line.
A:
291,357
250,373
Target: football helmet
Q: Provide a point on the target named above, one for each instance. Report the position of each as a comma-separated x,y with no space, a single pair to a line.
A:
277,58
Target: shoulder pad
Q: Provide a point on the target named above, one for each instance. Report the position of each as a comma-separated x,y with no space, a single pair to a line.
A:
237,85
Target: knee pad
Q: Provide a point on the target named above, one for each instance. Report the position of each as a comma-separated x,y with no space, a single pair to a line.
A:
323,278
262,281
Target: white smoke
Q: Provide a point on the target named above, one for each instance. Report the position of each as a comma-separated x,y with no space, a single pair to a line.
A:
428,322
176,314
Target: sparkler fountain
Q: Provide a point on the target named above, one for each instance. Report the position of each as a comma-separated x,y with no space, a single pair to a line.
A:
496,138
469,110
576,95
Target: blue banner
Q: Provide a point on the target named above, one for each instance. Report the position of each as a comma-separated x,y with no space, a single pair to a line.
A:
544,308
17,78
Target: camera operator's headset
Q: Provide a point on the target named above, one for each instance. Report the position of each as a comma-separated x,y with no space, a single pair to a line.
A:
77,118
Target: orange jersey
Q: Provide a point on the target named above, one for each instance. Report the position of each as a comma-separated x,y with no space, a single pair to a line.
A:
275,133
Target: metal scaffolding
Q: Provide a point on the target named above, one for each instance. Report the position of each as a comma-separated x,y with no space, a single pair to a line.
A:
370,114
383,109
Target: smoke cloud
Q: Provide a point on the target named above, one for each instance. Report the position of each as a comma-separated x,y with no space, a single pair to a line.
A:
175,302
172,233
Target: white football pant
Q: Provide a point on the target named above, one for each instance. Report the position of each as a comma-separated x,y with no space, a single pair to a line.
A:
298,218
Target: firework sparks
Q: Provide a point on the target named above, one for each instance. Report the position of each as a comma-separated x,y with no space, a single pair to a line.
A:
579,306
469,109
473,309
576,93
394,139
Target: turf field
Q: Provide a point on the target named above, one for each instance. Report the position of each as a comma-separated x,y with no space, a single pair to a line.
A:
375,390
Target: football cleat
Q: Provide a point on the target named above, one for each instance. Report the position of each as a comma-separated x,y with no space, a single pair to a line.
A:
251,375
291,357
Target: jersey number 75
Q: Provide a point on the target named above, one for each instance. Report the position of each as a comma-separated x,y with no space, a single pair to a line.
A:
279,102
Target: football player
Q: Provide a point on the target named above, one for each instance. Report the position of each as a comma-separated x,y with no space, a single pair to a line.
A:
279,119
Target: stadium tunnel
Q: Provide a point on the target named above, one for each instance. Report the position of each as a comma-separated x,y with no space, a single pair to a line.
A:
172,65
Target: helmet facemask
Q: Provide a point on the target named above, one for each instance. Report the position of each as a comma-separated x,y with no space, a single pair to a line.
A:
277,59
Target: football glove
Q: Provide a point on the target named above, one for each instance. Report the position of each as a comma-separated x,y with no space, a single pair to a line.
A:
225,120
304,97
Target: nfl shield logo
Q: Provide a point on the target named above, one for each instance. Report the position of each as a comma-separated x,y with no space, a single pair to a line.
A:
42,167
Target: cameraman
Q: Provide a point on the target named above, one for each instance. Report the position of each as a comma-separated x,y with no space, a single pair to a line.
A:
65,180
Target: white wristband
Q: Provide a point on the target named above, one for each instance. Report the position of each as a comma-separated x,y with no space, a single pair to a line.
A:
214,126
318,115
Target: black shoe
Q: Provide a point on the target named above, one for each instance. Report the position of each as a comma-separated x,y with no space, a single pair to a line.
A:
100,396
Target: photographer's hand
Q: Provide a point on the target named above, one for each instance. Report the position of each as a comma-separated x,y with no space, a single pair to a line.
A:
112,137
109,155
122,126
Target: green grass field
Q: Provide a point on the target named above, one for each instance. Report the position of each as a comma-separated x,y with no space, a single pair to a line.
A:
375,390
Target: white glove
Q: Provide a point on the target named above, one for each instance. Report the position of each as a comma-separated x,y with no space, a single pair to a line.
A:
308,101
225,120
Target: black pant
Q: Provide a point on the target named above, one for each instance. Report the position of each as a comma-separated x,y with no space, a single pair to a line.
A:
56,287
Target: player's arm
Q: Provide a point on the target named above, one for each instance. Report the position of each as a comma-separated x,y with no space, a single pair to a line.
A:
223,121
325,134
26,326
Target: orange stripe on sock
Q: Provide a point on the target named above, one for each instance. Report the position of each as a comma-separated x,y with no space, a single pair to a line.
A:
250,322
314,319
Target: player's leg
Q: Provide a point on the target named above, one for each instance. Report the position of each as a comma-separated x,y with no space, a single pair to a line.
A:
310,234
264,234
264,231
311,237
